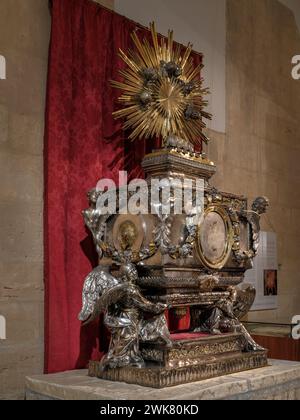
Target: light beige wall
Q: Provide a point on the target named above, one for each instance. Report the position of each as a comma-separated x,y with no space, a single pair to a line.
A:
201,22
24,38
106,3
260,153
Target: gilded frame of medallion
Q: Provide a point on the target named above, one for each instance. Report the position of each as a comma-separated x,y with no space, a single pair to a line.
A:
229,231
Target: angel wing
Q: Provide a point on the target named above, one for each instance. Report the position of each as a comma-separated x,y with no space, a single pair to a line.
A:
109,297
95,284
245,298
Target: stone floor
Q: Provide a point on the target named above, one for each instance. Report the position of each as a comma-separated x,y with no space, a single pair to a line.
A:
279,381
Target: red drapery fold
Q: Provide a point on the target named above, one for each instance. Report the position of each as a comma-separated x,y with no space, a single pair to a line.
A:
82,144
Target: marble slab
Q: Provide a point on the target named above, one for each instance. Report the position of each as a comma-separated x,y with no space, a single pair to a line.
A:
279,381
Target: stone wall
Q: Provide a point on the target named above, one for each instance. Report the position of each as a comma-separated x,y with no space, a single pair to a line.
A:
201,22
260,153
24,39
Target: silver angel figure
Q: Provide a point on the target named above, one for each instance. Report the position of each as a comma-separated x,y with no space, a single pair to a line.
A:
259,206
124,308
226,314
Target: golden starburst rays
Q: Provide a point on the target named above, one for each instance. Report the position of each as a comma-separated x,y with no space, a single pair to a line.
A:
162,91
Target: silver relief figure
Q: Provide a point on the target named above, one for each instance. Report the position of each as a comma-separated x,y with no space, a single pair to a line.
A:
124,308
225,315
259,207
191,253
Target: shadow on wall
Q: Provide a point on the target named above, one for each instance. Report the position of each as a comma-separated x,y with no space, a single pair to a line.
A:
201,22
2,328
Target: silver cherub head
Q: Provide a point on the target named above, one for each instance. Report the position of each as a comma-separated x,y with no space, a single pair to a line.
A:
129,272
260,205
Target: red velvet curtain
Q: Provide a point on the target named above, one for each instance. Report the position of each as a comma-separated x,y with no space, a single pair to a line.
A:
82,144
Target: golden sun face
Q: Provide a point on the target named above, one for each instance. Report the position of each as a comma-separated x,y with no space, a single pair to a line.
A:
162,91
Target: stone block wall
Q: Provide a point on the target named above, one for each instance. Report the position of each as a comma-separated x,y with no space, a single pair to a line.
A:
260,152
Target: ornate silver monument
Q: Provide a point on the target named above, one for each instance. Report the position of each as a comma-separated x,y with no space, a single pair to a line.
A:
156,262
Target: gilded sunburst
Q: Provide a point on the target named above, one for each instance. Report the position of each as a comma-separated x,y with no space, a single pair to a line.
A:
162,91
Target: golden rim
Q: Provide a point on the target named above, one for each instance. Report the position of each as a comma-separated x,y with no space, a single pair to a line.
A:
219,264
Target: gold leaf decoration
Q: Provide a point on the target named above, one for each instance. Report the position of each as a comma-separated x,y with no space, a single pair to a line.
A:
162,91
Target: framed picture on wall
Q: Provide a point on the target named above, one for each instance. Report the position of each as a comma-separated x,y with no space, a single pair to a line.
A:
264,275
270,282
